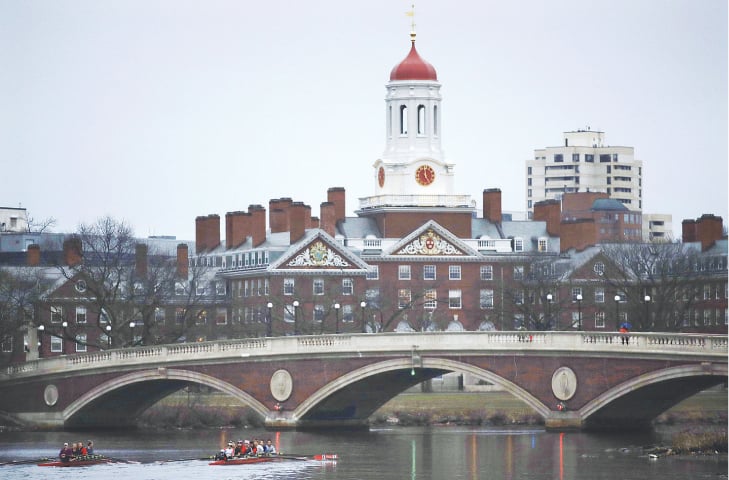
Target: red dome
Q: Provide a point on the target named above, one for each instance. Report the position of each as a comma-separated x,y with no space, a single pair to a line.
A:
413,68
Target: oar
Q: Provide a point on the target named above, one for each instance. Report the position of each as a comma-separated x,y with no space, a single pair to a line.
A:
25,462
321,456
187,459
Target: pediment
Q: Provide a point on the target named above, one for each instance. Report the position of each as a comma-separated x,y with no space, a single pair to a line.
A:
432,240
318,251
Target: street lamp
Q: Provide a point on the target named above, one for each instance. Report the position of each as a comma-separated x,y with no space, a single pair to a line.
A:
269,326
579,311
108,334
647,300
41,329
549,310
362,305
131,326
296,317
617,311
336,310
63,336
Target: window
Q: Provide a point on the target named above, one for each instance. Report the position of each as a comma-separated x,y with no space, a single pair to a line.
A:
221,316
246,288
103,316
599,295
288,286
518,244
403,119
707,317
372,297
81,342
599,319
604,157
220,288
589,157
575,157
179,316
318,284
454,299
529,170
266,289
518,272
519,297
487,272
558,157
81,286
319,313
421,119
576,291
403,298
707,292
347,314
599,268
200,288
347,286
56,314
373,273
403,272
7,344
159,316
430,298
542,244
202,318
289,313
179,288
80,314
454,272
486,298
428,272
56,344
435,120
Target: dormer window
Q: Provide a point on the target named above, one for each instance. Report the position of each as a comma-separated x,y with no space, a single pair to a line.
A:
518,244
542,244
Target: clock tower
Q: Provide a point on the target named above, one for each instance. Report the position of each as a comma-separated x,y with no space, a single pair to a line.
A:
412,174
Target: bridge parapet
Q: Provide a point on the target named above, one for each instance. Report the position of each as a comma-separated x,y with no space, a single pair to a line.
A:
713,347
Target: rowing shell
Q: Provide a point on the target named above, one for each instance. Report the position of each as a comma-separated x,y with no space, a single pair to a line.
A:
273,458
75,463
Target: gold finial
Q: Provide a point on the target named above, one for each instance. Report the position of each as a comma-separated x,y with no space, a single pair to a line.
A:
411,13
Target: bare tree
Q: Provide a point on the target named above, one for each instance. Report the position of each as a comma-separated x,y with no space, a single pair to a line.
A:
667,273
40,226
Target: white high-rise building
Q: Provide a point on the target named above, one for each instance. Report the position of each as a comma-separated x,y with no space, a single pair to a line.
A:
584,163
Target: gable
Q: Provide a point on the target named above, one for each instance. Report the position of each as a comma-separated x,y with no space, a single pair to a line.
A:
318,254
318,251
432,240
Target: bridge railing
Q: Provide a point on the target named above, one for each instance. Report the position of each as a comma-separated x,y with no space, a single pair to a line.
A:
657,344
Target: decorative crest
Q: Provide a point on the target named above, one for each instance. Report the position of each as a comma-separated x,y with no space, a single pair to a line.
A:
429,243
318,255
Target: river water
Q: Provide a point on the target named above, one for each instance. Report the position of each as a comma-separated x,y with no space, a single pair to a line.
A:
398,453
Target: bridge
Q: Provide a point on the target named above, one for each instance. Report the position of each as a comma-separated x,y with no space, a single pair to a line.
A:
574,380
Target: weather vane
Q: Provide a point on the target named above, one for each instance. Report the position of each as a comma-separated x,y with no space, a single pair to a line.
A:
411,13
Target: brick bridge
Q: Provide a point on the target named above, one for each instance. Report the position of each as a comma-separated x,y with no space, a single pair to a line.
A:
575,380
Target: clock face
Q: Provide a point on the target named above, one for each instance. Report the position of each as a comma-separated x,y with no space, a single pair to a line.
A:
381,177
424,175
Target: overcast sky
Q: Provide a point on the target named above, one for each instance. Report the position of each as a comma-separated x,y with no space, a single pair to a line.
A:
158,111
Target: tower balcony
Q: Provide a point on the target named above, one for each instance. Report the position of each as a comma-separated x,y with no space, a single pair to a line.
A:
447,201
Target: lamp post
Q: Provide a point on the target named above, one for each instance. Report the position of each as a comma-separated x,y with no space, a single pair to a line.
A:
64,324
647,300
549,310
108,334
41,329
131,326
579,311
296,317
362,305
336,311
617,311
269,323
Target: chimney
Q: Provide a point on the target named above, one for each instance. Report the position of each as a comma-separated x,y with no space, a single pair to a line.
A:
328,218
258,224
33,257
492,205
207,233
72,251
182,260
688,231
237,228
278,214
140,260
297,219
314,222
307,216
549,211
709,229
336,196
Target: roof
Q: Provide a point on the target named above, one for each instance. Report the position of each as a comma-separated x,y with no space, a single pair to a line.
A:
413,67
609,204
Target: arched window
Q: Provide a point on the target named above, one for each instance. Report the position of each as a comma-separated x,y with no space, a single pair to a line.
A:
435,120
403,119
421,119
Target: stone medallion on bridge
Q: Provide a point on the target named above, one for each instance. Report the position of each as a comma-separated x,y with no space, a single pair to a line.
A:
564,383
281,385
50,395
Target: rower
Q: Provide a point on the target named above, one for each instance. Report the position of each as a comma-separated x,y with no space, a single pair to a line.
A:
270,448
66,453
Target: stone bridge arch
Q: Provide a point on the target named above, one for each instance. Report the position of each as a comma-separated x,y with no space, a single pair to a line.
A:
635,403
118,402
353,397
